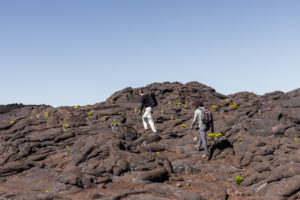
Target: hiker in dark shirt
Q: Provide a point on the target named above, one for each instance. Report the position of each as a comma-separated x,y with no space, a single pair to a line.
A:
147,102
203,126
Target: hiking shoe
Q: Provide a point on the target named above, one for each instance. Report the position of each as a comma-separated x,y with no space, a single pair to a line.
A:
205,157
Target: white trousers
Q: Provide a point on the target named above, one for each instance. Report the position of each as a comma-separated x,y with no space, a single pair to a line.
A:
147,118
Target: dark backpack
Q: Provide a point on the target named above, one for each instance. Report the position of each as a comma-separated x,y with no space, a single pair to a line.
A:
153,99
206,116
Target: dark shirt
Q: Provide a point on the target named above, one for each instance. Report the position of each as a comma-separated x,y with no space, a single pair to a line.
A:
146,101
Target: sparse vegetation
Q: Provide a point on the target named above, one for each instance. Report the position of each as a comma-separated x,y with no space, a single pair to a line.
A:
114,124
238,180
183,126
178,103
214,135
252,95
46,114
239,139
214,107
75,107
233,106
91,112
11,122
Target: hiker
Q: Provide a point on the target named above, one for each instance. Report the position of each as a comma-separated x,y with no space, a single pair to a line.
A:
205,123
148,101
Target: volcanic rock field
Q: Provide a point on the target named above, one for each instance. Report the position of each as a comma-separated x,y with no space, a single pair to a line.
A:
102,151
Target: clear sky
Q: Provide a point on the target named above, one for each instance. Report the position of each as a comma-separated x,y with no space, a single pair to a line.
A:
69,52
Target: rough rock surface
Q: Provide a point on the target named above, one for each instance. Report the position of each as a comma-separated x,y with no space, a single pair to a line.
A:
80,153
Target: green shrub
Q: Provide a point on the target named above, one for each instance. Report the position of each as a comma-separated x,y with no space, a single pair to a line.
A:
66,125
227,100
239,139
114,124
214,135
75,107
252,95
11,122
46,114
233,106
91,112
238,180
178,103
214,107
182,125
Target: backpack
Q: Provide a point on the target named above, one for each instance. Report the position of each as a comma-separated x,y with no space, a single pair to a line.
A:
153,100
206,116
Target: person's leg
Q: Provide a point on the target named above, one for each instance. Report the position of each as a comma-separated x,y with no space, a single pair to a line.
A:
203,138
145,120
150,119
199,140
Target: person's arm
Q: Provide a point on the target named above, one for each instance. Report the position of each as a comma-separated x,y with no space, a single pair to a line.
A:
194,120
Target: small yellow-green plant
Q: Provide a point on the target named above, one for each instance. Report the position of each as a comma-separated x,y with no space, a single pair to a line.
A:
158,153
68,147
11,122
178,103
38,116
169,103
227,100
75,107
172,116
186,102
233,106
295,139
214,135
114,124
251,95
238,180
214,107
162,111
239,139
91,112
46,114
104,117
182,125
86,106
66,125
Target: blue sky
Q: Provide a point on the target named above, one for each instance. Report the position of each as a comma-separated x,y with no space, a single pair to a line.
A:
71,52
